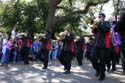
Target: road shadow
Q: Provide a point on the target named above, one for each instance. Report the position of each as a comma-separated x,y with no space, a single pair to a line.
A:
34,74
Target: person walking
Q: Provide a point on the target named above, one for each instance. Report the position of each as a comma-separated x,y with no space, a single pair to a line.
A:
120,28
101,46
45,48
80,46
67,50
24,50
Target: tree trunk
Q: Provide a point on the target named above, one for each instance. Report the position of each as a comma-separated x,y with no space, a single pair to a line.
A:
50,20
51,17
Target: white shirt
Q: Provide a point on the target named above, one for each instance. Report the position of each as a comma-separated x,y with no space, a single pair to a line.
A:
13,34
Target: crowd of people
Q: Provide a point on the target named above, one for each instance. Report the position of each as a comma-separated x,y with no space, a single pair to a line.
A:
103,51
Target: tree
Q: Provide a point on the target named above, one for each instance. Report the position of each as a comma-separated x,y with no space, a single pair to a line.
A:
26,15
54,5
39,15
119,7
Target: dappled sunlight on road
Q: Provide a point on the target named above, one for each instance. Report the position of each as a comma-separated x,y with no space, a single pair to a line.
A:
34,74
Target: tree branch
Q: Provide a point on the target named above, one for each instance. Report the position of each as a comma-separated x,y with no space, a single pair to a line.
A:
54,3
70,1
64,8
86,9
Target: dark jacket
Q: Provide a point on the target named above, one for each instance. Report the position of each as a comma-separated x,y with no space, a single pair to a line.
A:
68,43
100,34
80,45
44,43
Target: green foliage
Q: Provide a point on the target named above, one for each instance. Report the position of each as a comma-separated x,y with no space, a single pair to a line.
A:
33,15
30,16
74,21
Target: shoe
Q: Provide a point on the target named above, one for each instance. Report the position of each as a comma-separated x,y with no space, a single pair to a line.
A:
113,70
64,69
26,63
44,68
101,78
123,72
80,64
66,72
1,65
108,70
97,74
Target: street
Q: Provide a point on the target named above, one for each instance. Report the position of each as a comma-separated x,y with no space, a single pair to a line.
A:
33,73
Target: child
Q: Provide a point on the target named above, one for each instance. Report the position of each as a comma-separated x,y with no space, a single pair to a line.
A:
53,51
35,49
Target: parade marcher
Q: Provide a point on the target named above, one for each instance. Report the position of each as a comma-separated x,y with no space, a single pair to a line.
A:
80,46
101,46
68,49
28,41
120,28
24,50
45,48
19,41
111,59
114,49
88,48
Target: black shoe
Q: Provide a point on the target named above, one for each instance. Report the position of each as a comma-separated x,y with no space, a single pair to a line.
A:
123,72
64,69
26,63
66,72
108,70
80,64
101,78
97,74
44,68
113,70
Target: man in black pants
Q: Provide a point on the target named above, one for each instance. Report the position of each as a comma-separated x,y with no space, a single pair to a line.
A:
68,50
100,46
44,50
80,45
111,59
120,27
24,51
